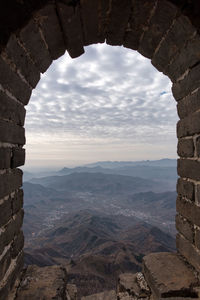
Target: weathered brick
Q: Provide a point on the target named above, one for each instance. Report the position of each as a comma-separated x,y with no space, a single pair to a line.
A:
49,23
9,182
186,249
188,168
160,22
11,109
188,210
185,189
17,244
5,211
198,145
17,201
140,15
176,38
187,58
11,133
20,58
4,263
186,147
11,230
72,28
189,105
91,22
190,82
185,228
33,42
13,83
18,157
5,158
189,125
118,20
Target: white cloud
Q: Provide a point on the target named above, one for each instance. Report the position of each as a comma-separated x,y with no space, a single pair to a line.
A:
110,96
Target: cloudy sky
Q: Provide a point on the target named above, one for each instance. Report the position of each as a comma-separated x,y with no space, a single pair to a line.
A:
109,104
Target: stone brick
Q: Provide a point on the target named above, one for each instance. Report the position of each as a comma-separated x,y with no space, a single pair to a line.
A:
160,22
17,244
186,147
9,182
34,44
11,230
49,23
197,194
11,133
5,158
164,274
11,109
5,211
18,157
189,169
20,58
185,189
72,28
140,15
189,105
91,22
189,125
187,58
197,238
178,35
198,145
190,82
13,83
186,249
17,201
4,263
118,20
188,210
185,228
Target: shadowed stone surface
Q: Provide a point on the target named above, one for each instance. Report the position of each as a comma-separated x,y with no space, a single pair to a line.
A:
109,295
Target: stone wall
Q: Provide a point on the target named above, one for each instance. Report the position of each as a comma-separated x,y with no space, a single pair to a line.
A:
158,30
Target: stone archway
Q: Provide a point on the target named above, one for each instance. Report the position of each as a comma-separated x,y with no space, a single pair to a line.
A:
159,31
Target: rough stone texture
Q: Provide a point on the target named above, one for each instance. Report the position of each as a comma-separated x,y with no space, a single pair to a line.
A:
13,83
185,189
10,181
43,283
188,168
91,22
118,20
188,210
71,291
189,125
49,23
160,22
18,55
71,25
11,109
197,238
11,133
108,295
11,229
133,284
4,263
188,250
35,45
185,228
189,105
164,274
17,244
178,35
5,211
185,86
140,15
5,158
197,194
17,201
18,157
185,148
